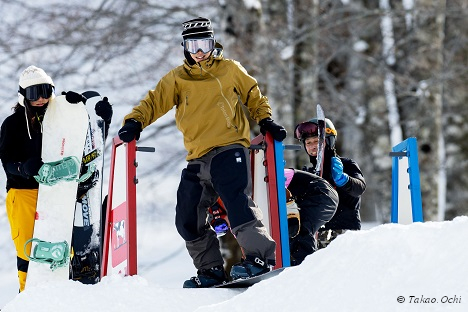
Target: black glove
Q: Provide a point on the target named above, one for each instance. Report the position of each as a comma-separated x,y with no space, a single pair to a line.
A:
73,97
104,110
130,130
31,167
268,125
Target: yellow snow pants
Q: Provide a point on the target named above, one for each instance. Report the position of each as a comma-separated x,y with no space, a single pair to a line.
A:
21,211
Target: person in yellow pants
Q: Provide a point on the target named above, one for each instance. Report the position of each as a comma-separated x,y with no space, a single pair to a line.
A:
21,211
20,153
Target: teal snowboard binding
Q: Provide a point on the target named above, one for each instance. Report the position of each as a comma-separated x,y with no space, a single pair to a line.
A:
55,254
66,169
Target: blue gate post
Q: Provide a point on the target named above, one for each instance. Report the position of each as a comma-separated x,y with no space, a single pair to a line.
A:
282,211
408,148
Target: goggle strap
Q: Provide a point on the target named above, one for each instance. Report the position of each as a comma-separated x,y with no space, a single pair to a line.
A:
22,91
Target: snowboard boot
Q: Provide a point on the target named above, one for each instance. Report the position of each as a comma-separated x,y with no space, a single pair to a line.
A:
301,246
325,237
207,278
248,268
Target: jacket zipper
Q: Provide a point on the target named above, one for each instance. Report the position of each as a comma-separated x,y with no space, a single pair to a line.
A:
222,94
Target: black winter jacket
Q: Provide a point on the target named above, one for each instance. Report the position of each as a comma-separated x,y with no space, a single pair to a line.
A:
16,147
347,216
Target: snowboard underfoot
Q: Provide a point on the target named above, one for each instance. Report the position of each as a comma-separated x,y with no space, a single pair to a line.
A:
247,282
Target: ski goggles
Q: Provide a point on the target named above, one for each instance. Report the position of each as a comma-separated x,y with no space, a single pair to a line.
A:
309,129
195,45
33,93
305,130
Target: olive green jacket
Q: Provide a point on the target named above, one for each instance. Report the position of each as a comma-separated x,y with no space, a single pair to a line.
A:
207,97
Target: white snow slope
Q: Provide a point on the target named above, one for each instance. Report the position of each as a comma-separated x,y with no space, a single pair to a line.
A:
391,267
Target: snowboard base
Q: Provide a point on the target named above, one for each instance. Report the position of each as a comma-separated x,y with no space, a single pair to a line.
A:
87,237
247,282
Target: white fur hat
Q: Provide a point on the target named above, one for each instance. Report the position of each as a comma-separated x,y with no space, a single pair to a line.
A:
32,76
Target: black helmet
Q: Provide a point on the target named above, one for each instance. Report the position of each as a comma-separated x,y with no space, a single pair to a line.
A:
309,129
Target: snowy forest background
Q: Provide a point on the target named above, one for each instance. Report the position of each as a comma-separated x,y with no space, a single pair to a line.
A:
383,71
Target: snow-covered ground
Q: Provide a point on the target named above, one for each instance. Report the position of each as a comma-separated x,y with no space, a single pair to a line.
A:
391,267
424,265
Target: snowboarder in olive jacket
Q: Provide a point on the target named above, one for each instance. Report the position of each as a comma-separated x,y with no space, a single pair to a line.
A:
207,92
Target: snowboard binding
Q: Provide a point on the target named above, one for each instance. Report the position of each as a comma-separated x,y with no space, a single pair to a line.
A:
55,254
66,169
85,267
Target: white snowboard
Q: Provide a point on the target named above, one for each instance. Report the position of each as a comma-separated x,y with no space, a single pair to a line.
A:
64,132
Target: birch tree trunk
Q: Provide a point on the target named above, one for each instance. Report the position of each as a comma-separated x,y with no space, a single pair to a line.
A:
305,67
428,68
439,99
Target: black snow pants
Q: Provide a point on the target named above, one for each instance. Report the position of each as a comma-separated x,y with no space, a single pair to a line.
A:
317,201
224,171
